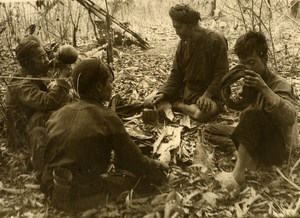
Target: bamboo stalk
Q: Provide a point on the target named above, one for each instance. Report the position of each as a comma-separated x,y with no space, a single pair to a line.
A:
29,78
289,181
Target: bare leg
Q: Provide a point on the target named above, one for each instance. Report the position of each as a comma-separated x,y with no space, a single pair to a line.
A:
194,112
240,166
234,181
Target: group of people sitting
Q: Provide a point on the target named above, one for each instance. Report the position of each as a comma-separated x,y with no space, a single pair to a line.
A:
75,142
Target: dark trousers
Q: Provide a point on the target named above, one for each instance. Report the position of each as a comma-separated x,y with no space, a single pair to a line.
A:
261,137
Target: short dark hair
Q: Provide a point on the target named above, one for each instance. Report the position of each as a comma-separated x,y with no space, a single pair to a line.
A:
251,42
87,73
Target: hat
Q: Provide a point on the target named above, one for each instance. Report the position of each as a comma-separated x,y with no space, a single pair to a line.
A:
26,49
184,13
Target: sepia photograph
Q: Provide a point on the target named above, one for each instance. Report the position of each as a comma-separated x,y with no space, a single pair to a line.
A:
149,108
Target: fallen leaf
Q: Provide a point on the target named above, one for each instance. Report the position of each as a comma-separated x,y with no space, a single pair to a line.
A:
210,198
169,113
190,196
32,186
185,121
159,199
89,212
165,157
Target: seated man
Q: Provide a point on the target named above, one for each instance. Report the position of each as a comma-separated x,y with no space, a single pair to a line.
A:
28,101
199,65
268,127
82,136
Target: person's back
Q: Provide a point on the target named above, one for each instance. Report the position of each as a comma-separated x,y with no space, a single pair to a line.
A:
81,138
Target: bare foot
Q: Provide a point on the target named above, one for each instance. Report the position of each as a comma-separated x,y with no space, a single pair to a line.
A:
230,184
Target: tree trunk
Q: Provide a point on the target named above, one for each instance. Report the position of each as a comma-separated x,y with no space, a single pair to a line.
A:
295,8
213,7
74,36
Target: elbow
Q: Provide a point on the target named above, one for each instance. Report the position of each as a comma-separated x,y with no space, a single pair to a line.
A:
292,118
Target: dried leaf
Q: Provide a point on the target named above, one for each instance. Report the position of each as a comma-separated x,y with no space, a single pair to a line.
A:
89,212
159,139
165,157
11,190
173,143
190,196
200,155
151,215
32,186
210,198
185,121
159,199
169,113
132,68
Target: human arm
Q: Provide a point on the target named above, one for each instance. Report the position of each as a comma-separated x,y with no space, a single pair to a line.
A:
219,62
31,95
129,156
279,103
176,79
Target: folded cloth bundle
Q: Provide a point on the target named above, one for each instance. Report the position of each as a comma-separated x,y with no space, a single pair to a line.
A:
247,95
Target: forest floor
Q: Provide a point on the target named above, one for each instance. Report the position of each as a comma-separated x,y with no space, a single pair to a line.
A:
192,190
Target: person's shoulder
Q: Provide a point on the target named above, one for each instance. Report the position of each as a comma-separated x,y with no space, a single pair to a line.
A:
213,35
97,108
215,38
278,84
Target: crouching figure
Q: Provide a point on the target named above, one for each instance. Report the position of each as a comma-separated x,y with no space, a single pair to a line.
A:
81,138
268,127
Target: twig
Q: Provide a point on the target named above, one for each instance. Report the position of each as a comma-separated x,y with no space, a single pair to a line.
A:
294,167
242,14
289,181
294,59
29,78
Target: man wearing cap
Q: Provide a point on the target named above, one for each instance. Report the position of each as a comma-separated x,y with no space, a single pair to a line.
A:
81,137
28,101
199,64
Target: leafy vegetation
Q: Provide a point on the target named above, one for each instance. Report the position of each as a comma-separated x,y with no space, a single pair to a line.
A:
193,189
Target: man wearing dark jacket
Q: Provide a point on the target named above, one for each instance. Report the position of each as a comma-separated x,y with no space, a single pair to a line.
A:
28,100
199,65
82,136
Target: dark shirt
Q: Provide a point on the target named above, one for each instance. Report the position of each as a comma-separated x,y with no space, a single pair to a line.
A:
82,136
282,109
24,97
198,67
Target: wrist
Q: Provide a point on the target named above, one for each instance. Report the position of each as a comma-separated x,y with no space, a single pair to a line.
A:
207,95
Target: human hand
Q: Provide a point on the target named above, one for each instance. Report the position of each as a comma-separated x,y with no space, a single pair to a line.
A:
158,98
64,73
254,80
204,103
158,173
